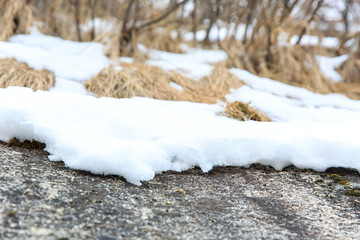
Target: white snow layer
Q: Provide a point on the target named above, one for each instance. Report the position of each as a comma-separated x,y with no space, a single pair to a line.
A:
196,63
328,66
67,59
137,138
293,104
140,137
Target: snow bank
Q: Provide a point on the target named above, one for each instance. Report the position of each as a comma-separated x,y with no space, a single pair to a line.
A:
195,63
293,104
137,138
67,59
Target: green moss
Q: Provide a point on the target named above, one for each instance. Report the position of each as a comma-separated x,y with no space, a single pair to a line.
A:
344,182
11,213
319,180
336,178
353,192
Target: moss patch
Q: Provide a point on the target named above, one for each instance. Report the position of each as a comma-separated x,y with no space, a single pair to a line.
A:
353,192
11,213
336,178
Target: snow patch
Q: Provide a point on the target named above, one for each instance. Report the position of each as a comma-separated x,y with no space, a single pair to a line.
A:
328,66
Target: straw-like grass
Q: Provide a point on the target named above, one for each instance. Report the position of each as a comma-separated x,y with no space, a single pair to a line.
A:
243,112
15,17
220,81
14,73
350,69
133,80
148,81
295,65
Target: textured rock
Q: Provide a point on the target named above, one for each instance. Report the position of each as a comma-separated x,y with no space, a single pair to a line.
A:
40,199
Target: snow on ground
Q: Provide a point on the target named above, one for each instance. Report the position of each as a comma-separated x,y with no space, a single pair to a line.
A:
293,104
328,66
73,61
139,137
195,63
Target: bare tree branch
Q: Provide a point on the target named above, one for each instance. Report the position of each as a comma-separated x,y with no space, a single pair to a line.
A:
319,3
162,17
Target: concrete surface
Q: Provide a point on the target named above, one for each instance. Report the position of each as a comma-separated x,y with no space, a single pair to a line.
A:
40,199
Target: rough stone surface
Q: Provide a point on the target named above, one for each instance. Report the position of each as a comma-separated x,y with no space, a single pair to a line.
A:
40,199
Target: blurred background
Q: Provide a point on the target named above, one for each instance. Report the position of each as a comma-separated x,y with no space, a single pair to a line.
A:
286,40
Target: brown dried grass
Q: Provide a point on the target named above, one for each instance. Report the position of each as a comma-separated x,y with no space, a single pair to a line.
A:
133,80
15,18
160,39
243,112
294,65
220,81
14,142
14,73
148,81
350,69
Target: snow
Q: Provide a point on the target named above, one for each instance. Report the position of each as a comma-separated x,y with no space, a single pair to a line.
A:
292,104
195,63
220,33
328,42
99,25
176,86
65,85
328,66
139,137
70,60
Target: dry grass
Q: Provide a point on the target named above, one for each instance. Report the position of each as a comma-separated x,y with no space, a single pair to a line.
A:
295,65
161,39
243,112
15,17
133,80
220,81
149,81
14,73
350,69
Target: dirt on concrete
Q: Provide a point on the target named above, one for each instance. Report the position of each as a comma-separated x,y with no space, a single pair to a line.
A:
41,199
